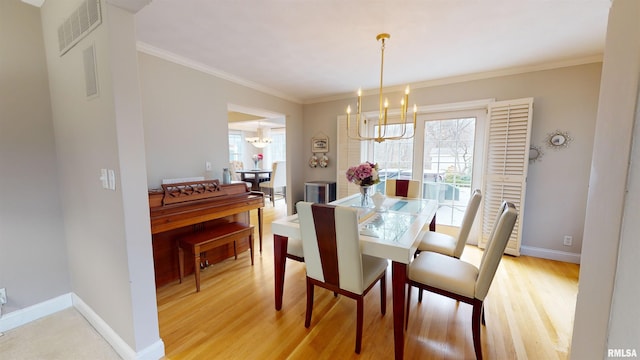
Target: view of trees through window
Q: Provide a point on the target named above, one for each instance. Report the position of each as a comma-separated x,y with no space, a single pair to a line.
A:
394,158
448,165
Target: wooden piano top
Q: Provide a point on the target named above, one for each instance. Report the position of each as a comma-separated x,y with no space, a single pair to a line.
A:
188,203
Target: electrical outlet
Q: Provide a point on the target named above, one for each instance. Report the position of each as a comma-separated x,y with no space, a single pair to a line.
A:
3,296
568,240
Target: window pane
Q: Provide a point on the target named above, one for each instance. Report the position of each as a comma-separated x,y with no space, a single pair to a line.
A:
279,146
394,157
236,145
448,164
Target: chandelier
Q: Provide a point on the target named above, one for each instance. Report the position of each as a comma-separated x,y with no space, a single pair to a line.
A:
382,116
261,140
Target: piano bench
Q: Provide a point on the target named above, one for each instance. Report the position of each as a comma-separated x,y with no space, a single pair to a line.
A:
209,239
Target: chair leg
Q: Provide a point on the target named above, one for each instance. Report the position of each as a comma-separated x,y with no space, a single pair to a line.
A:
271,193
475,324
235,251
483,322
419,295
307,317
196,272
359,321
406,316
383,293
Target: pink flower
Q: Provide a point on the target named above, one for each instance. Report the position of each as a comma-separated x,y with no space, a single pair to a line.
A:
364,174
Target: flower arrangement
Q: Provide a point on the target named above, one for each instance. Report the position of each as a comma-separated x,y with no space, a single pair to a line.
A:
365,174
257,157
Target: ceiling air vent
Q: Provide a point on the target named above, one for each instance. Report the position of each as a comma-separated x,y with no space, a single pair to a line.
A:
79,24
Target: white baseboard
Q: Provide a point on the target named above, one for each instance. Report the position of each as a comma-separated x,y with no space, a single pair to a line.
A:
550,254
153,352
24,316
20,317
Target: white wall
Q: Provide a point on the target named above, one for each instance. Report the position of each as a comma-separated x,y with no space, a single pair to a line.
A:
186,125
564,99
33,253
107,232
608,292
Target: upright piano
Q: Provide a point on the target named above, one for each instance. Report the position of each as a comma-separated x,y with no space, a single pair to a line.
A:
186,207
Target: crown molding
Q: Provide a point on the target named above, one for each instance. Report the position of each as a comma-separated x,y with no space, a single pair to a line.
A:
181,60
166,55
468,77
36,3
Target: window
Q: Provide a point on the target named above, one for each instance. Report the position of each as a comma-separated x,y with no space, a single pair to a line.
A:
448,166
394,157
278,148
236,146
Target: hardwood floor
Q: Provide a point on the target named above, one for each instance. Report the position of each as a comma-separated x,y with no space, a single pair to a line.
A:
529,314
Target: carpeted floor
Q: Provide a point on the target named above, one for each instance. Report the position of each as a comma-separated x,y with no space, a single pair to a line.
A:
65,335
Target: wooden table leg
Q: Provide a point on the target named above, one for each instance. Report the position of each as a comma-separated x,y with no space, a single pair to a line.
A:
251,245
399,281
279,259
260,227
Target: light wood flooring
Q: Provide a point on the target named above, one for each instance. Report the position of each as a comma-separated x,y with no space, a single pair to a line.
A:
529,314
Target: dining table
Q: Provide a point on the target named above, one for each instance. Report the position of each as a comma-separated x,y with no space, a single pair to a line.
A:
255,177
392,231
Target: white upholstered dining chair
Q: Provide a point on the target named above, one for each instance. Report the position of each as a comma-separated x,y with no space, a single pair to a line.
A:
459,280
277,181
450,245
334,260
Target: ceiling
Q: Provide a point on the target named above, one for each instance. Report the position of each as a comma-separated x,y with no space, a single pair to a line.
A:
313,50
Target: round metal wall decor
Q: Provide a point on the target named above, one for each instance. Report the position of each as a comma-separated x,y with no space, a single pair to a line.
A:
558,140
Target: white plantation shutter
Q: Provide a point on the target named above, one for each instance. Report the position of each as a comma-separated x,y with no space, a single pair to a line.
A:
506,164
349,154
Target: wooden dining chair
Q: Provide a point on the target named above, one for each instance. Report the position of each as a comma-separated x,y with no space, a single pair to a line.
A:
459,280
405,188
334,260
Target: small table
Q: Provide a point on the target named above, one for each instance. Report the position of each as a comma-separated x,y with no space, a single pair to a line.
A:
255,180
393,234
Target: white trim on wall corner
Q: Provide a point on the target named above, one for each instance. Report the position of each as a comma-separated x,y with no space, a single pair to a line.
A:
24,316
550,254
153,352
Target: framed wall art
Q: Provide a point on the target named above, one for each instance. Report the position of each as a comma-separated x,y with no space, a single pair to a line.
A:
320,144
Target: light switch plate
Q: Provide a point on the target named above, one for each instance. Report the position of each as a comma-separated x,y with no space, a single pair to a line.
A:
112,179
104,178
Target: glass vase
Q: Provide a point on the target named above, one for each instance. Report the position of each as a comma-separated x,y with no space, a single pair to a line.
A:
365,197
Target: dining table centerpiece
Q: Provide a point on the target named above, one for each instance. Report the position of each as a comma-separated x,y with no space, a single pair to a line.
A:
364,175
256,159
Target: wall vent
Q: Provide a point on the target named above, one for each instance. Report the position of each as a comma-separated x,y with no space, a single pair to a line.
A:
90,74
79,24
